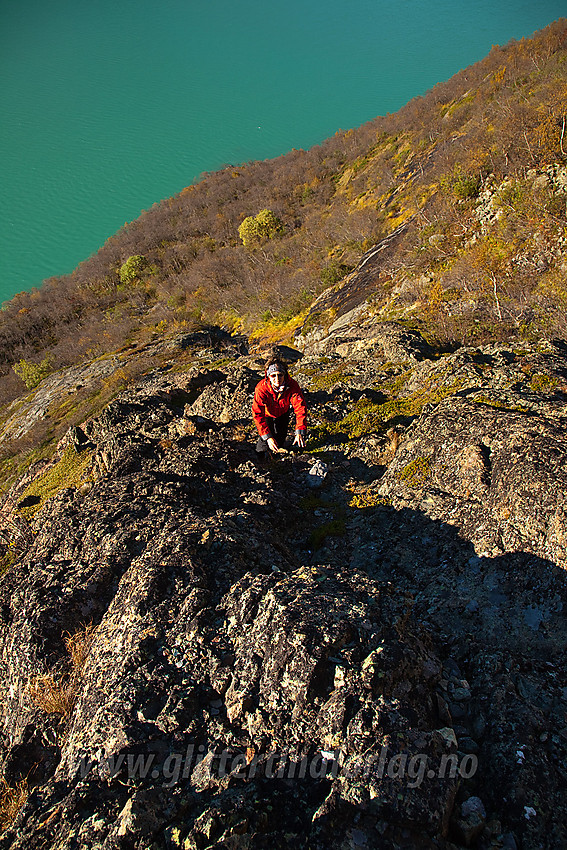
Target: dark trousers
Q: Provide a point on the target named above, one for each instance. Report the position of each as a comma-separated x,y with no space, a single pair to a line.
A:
278,430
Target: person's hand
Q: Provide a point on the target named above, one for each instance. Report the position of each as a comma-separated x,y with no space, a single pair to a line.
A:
272,445
299,441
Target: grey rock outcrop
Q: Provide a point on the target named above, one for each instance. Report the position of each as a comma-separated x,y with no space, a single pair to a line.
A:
348,337
379,663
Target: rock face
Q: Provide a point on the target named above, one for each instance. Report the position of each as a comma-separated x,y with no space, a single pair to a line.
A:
198,651
348,337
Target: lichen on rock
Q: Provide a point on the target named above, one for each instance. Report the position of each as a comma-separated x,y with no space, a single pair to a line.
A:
251,679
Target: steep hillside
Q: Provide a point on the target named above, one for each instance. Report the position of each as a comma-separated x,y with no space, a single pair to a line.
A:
200,652
358,646
475,170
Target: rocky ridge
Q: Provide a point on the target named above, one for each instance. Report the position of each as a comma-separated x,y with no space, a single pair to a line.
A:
378,662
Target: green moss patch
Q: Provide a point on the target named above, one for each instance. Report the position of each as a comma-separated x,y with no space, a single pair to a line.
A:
542,383
499,405
71,470
7,559
323,379
416,472
367,417
334,528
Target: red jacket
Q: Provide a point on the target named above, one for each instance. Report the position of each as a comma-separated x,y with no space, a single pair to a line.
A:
267,404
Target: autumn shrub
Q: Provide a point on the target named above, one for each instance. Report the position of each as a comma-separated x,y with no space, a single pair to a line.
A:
334,272
132,268
461,184
32,374
259,228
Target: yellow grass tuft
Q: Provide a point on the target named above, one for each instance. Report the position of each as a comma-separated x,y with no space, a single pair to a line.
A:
51,695
12,798
57,696
79,645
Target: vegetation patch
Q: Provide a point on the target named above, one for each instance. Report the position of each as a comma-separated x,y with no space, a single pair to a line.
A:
395,385
69,471
335,527
499,405
311,502
12,798
32,374
322,320
320,378
416,472
542,383
8,558
57,695
368,499
78,645
461,184
448,109
54,696
321,435
334,272
256,229
367,417
213,364
277,329
131,270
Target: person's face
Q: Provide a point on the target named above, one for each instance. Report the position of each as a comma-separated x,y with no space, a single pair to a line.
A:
277,381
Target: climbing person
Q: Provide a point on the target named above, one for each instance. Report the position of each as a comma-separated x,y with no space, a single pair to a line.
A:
273,397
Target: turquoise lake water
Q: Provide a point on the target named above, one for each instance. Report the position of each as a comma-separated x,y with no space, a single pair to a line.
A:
108,107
